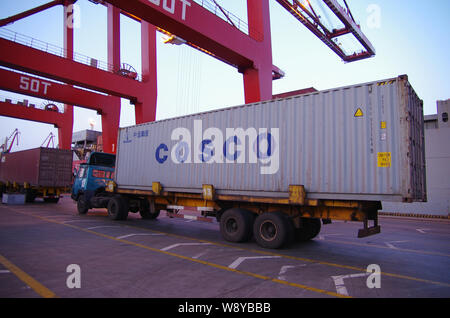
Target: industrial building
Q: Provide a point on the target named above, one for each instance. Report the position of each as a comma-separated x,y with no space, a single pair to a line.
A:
437,158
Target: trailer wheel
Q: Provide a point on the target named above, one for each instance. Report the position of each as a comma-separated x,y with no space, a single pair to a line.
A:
236,225
309,229
148,210
29,195
273,230
82,206
118,208
51,200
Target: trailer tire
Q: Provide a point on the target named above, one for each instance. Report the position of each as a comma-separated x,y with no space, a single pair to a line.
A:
51,200
309,229
273,230
118,208
236,225
148,210
82,205
29,195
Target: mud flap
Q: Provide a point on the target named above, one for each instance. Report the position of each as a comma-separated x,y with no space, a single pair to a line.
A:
367,231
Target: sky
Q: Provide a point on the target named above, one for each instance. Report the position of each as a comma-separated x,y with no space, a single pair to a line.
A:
410,37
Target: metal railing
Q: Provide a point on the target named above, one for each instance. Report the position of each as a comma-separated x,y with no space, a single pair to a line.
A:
229,17
58,51
32,103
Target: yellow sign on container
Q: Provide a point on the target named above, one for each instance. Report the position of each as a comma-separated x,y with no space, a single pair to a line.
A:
384,159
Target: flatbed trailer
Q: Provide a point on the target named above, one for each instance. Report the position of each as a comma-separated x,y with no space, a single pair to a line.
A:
274,221
276,170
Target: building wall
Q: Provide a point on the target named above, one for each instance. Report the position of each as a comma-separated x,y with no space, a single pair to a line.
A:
437,153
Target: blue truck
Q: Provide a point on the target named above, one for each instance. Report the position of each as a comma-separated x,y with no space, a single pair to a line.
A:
89,190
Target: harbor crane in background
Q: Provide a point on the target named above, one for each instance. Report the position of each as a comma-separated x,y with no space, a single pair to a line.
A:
202,24
9,141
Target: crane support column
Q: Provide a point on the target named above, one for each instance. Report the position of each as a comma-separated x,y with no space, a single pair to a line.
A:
146,105
111,117
258,79
65,130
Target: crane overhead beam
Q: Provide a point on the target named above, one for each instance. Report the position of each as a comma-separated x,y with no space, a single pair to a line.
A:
310,19
27,13
195,24
42,88
23,58
38,115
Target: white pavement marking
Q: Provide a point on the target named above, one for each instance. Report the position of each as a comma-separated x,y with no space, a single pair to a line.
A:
199,255
4,271
101,226
71,221
422,231
322,237
284,269
239,260
182,244
339,282
56,216
134,234
392,246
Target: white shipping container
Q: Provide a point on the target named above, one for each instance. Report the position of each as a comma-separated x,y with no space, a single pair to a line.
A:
360,142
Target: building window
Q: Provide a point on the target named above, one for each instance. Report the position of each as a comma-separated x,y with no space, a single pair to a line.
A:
445,117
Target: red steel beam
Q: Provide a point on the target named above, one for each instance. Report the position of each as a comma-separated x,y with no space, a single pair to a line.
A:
111,119
350,24
34,61
27,13
258,79
193,23
251,54
145,109
46,89
38,115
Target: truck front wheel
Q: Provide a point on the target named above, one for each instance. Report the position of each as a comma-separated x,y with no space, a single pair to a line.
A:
82,205
118,208
148,210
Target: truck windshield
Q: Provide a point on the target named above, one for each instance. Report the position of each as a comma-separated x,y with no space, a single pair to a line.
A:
102,159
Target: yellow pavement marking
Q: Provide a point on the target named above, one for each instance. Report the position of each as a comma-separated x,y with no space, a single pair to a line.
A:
359,269
40,289
218,266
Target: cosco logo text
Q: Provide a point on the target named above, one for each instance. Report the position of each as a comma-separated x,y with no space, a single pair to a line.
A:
236,145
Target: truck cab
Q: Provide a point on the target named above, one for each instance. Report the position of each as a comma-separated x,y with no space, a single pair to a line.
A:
91,179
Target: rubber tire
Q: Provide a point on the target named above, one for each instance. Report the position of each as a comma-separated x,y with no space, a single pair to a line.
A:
272,230
145,211
82,206
309,229
51,200
118,208
29,195
236,225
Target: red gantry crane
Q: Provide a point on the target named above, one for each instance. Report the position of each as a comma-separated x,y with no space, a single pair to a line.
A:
202,24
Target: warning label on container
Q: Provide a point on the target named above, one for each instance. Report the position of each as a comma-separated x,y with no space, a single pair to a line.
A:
384,159
359,113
